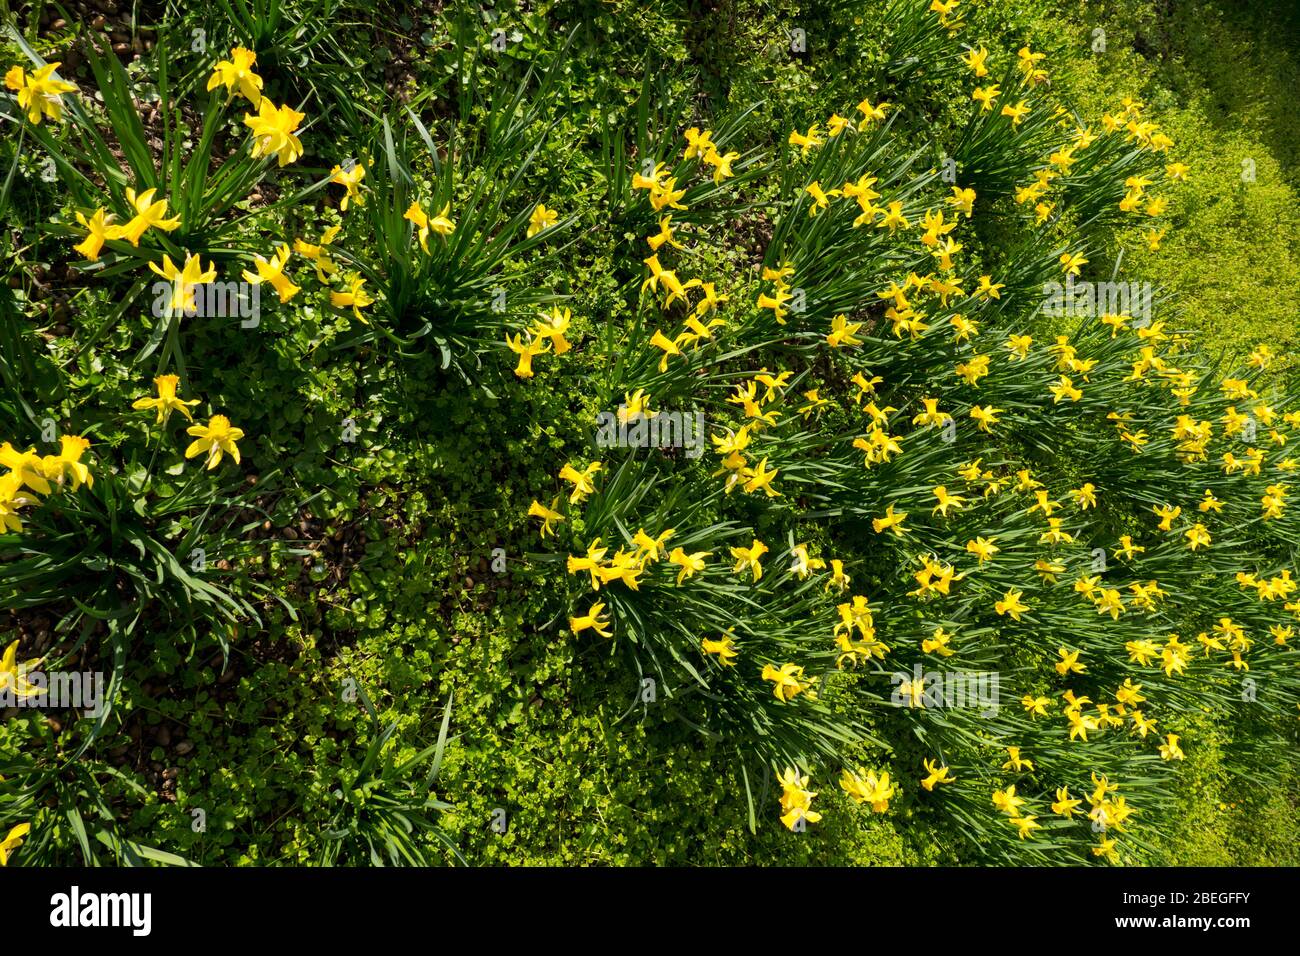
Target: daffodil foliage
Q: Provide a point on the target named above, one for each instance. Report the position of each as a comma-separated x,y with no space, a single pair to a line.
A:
921,517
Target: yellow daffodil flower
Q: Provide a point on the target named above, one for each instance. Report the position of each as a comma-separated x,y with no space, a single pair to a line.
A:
1025,825
709,303
982,548
13,840
542,218
873,114
552,326
1072,263
99,229
1065,805
975,62
67,463
985,416
1065,389
1007,801
1198,537
1035,706
215,439
725,648
761,478
843,332
805,141
667,345
1019,345
356,296
750,558
665,235
272,271
1085,496
698,143
690,564
1011,604
237,76
148,215
635,406
796,800
26,467
40,94
936,775
548,515
894,218
591,621
318,255
582,481
350,179
801,565
166,402
273,132
867,787
891,521
590,562
721,163
1069,663
820,198
985,95
13,676
1169,750
787,681
937,643
184,282
946,501
12,498
1017,112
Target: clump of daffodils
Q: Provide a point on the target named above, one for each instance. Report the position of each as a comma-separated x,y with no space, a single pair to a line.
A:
30,477
889,410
